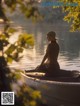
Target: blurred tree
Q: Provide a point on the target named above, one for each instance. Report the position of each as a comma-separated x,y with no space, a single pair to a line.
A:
9,79
27,7
72,10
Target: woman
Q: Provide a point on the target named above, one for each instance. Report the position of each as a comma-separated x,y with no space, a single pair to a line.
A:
49,62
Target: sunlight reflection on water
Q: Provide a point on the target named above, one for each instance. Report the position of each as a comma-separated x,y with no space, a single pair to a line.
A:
31,60
69,56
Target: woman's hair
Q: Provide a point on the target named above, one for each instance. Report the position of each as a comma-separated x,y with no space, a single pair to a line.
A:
51,35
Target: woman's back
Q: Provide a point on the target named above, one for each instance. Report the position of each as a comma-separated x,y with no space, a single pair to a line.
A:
52,52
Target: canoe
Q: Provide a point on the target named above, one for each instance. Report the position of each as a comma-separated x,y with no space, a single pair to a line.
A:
58,91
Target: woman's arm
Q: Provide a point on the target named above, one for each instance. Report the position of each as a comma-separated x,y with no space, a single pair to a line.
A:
44,58
46,55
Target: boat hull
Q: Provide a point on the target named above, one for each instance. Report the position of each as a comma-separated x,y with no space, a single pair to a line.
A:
56,92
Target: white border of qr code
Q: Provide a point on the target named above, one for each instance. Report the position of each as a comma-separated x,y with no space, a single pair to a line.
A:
2,99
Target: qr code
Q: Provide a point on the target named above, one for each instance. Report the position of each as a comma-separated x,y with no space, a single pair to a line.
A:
7,98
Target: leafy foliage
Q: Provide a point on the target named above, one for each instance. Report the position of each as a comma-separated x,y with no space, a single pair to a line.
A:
25,40
27,7
11,51
72,13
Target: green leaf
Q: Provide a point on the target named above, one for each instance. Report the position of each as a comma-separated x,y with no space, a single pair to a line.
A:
26,39
20,50
11,30
3,36
10,49
9,60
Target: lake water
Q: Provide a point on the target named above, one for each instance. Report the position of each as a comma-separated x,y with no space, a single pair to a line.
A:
69,42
